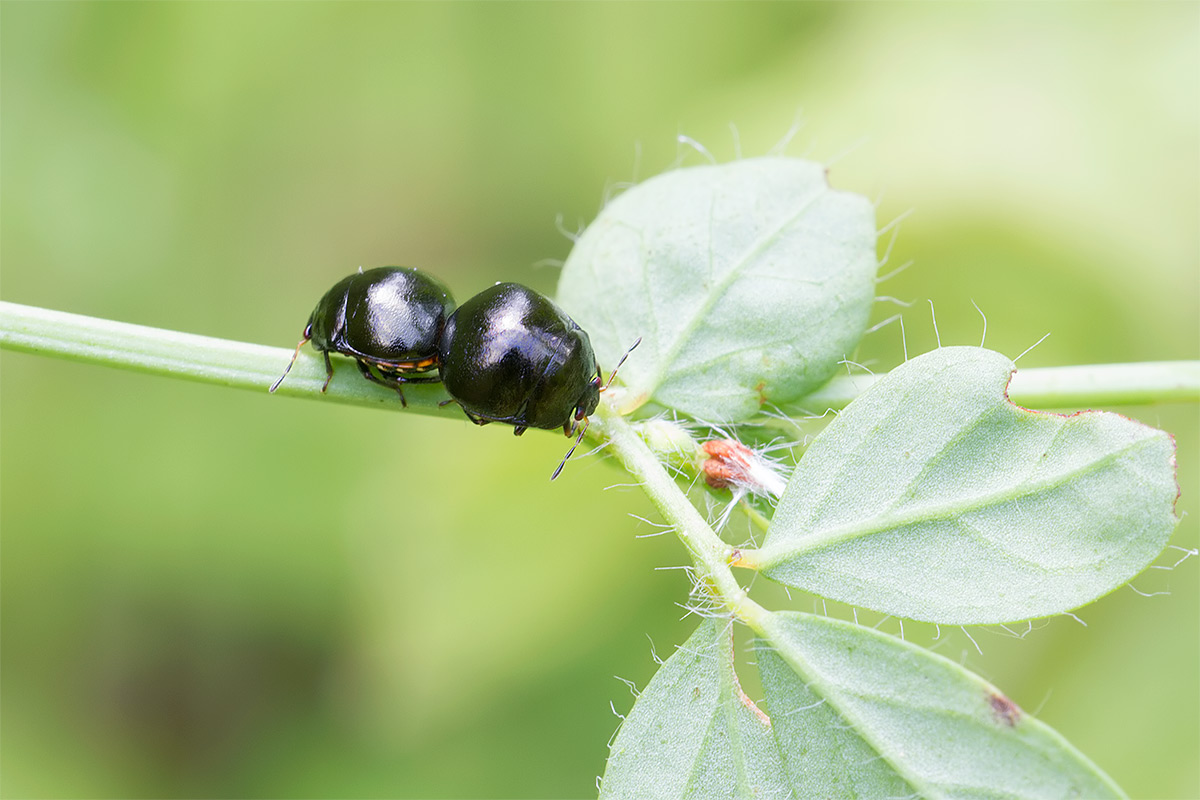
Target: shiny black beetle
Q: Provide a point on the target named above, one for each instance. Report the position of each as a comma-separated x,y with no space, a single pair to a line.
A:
511,355
388,319
506,355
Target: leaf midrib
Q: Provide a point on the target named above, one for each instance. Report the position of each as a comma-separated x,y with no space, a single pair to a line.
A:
702,311
776,633
804,543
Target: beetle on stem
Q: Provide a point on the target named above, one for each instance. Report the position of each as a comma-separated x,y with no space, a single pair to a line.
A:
388,319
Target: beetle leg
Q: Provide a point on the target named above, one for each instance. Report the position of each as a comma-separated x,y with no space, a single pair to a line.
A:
470,416
365,369
328,371
518,430
568,428
475,419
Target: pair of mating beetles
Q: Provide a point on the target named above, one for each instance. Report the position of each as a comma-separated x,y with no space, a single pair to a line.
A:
506,355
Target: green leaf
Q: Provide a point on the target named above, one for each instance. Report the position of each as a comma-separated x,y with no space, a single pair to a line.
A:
692,734
747,282
858,713
854,713
933,497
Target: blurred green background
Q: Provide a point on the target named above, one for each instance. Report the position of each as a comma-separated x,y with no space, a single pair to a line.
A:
217,593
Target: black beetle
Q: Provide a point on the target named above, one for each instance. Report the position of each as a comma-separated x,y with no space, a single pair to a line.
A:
388,318
511,355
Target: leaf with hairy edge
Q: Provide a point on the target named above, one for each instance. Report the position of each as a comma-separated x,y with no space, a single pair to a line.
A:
933,497
854,714
692,733
747,283
858,713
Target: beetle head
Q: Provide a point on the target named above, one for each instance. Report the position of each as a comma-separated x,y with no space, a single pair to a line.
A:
590,398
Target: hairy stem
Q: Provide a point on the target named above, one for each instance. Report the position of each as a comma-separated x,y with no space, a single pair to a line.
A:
710,555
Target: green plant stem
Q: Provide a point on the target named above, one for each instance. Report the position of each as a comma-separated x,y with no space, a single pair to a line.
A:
710,555
1060,387
255,367
201,358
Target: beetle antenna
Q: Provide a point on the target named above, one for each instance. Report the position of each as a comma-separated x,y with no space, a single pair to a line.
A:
578,439
619,363
586,421
299,344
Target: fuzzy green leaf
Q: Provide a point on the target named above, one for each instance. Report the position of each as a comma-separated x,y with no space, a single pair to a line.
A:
747,282
933,497
854,713
858,713
690,735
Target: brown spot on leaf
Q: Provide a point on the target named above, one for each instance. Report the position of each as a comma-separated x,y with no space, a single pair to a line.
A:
1005,710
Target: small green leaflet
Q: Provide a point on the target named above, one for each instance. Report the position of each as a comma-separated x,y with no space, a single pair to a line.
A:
854,713
934,498
689,733
747,282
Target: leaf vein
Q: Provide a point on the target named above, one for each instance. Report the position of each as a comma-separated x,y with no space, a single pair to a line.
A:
702,310
819,539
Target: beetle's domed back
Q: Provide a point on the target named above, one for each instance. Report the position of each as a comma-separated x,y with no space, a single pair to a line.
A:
395,314
509,354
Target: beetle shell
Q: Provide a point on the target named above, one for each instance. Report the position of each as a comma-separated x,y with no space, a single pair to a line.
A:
392,316
511,355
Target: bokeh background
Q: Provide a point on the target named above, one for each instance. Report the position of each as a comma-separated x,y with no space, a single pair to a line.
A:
209,592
